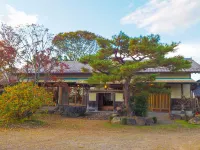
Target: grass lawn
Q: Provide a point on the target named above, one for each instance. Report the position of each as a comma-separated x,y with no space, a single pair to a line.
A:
56,132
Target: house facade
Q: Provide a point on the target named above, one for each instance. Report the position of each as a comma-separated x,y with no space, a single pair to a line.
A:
107,97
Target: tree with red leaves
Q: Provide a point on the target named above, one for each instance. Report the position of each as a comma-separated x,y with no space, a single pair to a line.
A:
7,60
39,53
35,53
9,47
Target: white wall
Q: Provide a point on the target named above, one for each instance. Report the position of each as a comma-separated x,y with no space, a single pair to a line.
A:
186,90
176,90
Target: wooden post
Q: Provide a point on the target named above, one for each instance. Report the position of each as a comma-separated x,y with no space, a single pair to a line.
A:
181,90
160,102
97,103
60,95
64,96
83,98
113,99
87,96
169,98
76,94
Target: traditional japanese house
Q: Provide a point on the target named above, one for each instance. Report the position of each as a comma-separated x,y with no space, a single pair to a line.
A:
107,97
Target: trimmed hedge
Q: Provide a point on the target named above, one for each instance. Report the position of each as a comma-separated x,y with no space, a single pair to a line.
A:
139,104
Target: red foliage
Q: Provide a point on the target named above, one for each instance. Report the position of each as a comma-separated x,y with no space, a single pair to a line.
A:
7,54
46,64
63,66
54,78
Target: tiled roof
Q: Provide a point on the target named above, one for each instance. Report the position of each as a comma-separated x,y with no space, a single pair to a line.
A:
72,67
4,81
195,68
76,67
175,80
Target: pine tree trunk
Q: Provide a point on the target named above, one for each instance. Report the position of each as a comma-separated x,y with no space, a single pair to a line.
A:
127,94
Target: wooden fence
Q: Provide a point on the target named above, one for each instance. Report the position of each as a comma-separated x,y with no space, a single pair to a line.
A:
159,102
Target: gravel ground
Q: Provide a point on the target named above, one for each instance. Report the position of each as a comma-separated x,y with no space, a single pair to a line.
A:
65,133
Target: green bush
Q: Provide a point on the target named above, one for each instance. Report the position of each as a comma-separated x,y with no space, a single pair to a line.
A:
155,120
140,104
124,121
20,101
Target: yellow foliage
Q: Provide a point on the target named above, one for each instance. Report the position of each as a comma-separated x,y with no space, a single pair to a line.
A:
20,101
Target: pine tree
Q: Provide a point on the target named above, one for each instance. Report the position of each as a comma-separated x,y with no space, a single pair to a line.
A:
123,57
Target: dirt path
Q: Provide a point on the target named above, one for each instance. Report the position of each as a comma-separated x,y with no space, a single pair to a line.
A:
73,134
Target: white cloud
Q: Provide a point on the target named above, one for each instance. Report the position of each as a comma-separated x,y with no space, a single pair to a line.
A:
189,50
15,17
165,16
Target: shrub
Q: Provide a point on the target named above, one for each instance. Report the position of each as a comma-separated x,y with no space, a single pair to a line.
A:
132,103
110,118
155,120
20,101
140,105
123,120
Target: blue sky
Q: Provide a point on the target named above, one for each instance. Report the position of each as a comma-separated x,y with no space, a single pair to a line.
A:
174,20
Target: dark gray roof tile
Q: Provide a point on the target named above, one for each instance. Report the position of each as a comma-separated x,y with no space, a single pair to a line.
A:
195,68
76,67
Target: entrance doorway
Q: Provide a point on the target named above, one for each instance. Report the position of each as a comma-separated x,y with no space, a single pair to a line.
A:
105,101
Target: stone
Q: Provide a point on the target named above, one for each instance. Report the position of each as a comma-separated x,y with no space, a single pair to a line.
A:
114,115
116,120
131,121
149,121
195,120
73,111
118,108
140,121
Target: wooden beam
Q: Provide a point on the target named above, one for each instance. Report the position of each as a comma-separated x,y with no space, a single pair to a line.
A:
64,96
60,95
181,90
160,102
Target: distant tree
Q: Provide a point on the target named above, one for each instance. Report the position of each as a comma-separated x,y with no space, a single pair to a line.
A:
122,57
74,45
9,45
7,60
36,49
10,36
35,53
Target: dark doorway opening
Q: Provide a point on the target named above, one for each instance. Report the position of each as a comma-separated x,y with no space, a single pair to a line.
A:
105,101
